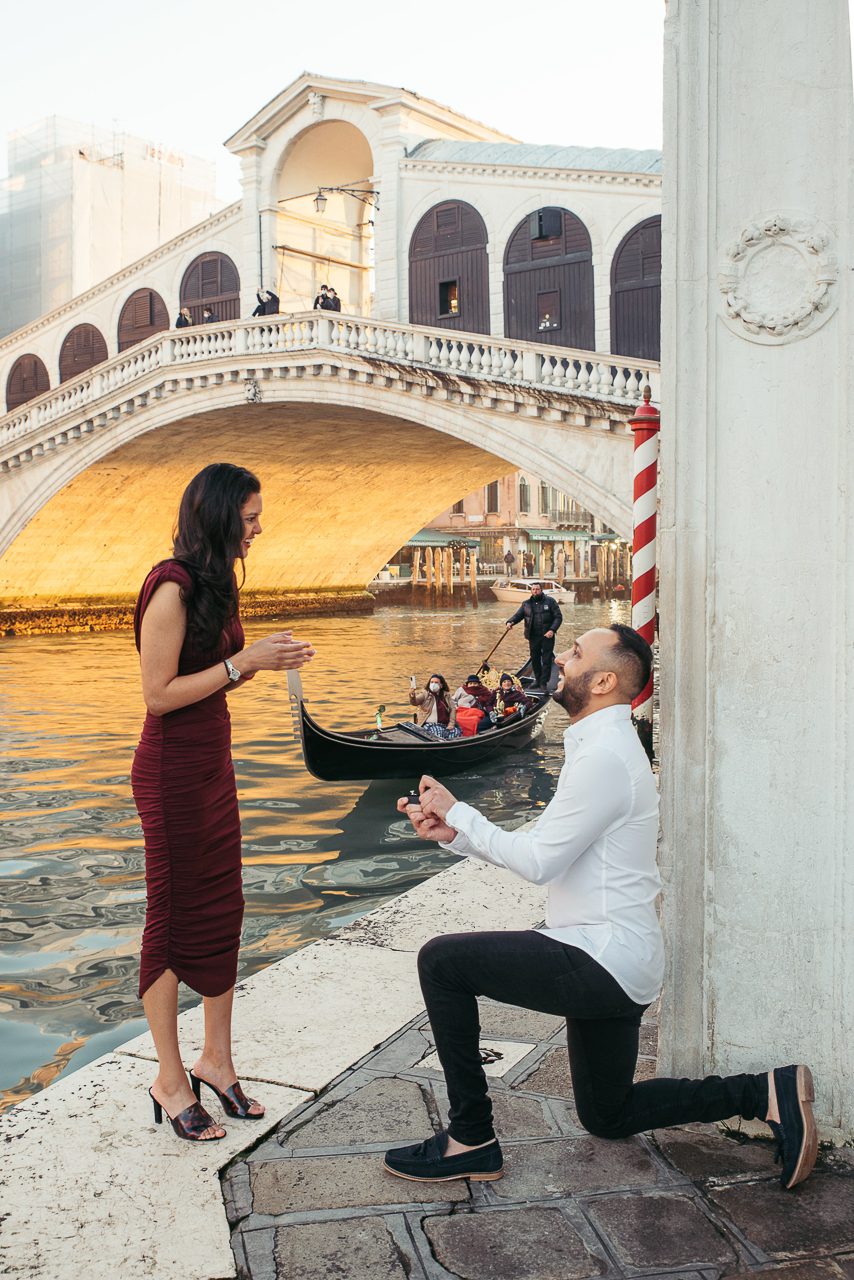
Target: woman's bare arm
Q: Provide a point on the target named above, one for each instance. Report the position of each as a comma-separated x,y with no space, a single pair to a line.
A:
164,626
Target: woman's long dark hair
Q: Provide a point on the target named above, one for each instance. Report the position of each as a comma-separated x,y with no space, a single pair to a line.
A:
207,540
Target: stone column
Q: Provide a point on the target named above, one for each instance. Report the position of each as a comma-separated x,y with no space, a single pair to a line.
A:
757,631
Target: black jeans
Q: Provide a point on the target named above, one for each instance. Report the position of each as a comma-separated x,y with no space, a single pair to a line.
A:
542,652
535,972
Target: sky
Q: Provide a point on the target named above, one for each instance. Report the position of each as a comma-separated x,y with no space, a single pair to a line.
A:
188,73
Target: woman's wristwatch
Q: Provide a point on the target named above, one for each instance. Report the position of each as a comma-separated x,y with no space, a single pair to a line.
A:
233,673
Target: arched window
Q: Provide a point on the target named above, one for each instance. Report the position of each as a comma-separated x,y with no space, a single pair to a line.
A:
212,281
449,269
548,280
82,348
143,314
524,496
27,379
636,293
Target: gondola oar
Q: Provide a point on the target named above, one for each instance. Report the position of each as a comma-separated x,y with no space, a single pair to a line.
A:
484,665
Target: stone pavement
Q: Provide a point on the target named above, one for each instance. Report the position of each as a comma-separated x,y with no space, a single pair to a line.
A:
312,1201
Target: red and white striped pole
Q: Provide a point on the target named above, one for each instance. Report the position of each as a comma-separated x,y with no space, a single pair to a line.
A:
645,425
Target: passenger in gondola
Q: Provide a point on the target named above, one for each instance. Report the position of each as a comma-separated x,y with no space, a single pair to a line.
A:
435,710
475,704
510,700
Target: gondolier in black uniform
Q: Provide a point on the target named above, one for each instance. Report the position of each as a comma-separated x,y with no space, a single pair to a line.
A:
542,617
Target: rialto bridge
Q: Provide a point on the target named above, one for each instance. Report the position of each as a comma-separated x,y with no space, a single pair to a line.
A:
359,430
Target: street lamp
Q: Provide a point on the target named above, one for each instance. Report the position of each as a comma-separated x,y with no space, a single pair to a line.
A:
368,197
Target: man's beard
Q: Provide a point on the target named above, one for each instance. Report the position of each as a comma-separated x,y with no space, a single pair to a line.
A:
575,693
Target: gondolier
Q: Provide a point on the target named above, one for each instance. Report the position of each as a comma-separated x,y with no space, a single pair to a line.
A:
542,617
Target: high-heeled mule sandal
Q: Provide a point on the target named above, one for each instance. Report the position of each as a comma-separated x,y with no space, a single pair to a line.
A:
234,1101
190,1123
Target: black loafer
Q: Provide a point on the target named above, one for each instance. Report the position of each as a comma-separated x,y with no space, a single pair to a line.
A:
797,1139
426,1162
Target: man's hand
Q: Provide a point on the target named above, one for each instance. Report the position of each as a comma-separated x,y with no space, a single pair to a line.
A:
508,625
436,800
426,828
550,635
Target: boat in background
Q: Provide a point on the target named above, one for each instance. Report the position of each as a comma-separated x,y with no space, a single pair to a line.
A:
404,750
515,590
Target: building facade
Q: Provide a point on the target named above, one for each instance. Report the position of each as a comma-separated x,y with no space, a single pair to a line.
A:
80,203
547,532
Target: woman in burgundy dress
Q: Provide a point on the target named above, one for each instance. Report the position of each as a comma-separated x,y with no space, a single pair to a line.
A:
191,647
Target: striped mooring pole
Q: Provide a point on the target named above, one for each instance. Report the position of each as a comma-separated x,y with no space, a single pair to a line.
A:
645,425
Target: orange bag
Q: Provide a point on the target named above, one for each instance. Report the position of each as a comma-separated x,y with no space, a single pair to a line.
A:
468,718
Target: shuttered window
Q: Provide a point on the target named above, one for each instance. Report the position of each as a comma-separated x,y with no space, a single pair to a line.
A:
27,379
143,315
492,498
83,347
211,280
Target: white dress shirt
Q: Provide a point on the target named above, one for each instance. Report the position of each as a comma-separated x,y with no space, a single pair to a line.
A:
594,845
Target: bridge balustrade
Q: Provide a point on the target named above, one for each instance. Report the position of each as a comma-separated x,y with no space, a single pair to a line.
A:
605,377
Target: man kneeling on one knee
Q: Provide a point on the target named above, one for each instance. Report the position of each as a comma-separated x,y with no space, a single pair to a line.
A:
599,961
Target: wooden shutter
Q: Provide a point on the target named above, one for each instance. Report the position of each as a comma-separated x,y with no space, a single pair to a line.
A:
211,280
27,379
636,293
83,347
143,315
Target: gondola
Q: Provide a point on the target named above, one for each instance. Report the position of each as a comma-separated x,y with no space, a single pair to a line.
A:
404,750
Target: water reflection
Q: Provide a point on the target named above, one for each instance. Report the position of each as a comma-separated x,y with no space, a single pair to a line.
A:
316,856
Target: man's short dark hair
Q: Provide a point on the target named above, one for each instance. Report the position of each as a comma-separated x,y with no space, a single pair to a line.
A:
634,658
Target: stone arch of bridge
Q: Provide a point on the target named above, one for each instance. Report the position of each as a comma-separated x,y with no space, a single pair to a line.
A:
345,485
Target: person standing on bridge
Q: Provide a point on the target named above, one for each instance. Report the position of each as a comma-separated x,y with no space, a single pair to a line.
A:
598,962
542,617
191,646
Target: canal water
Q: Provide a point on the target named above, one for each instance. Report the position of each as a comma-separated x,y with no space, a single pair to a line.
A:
316,855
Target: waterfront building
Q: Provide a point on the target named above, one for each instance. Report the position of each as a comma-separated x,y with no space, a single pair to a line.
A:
78,204
525,515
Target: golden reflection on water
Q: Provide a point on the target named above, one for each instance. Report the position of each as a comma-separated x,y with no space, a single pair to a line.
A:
72,891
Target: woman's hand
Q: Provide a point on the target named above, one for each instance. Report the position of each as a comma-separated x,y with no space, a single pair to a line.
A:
278,652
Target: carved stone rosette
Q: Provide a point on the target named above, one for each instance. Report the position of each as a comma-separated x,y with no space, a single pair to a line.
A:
778,279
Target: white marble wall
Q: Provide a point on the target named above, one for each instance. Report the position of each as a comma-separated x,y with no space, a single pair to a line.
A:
757,594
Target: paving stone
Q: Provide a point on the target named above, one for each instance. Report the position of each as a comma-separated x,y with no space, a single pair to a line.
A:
817,1217
659,1230
846,1265
815,1269
544,1170
402,1053
645,1070
382,1111
301,1184
353,1249
551,1077
516,1117
518,1024
511,1052
648,1042
702,1152
520,1244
